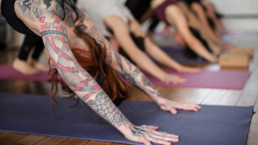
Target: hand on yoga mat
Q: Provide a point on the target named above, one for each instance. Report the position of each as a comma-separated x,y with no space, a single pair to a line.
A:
172,106
185,69
170,78
149,134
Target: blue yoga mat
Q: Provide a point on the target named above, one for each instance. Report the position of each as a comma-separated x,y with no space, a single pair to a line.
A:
32,114
177,53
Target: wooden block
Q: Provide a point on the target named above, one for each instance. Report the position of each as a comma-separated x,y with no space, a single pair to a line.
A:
248,51
233,61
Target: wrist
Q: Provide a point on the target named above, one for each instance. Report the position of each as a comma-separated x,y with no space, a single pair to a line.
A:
162,76
160,100
125,128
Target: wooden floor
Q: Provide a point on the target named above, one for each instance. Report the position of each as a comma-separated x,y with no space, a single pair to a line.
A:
246,97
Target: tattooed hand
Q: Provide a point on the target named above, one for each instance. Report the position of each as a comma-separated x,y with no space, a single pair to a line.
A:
170,78
147,134
172,106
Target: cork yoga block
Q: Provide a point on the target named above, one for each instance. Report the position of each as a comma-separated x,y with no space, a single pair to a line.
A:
233,61
248,51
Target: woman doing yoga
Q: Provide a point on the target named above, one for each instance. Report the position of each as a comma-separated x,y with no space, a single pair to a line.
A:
72,44
169,12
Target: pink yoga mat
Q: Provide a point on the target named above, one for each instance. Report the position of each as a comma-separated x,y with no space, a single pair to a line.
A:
8,73
208,79
204,79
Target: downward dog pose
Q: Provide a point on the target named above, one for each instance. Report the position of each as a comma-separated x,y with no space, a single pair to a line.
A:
169,12
206,13
194,9
71,42
195,25
113,17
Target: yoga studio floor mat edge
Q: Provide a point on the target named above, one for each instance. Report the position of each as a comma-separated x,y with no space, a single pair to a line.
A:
223,79
250,123
33,114
60,136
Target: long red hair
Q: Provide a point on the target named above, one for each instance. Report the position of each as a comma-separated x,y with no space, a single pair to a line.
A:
93,61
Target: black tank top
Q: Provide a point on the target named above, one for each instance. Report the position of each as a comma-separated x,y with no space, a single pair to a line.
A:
8,12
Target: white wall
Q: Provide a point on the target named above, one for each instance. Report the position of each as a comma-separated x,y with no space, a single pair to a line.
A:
236,7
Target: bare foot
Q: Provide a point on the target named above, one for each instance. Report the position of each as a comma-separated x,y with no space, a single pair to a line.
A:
38,66
24,67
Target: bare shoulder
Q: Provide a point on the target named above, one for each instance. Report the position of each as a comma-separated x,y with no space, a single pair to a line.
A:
173,10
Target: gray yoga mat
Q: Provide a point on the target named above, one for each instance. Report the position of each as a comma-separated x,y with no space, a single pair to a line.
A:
32,114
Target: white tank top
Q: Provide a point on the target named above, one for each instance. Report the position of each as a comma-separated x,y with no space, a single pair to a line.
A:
97,10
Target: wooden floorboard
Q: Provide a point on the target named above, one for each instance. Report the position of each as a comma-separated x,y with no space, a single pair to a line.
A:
230,98
214,97
8,138
30,140
74,142
98,143
52,141
250,92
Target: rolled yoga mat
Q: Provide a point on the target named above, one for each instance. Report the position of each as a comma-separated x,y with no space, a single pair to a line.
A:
32,114
207,79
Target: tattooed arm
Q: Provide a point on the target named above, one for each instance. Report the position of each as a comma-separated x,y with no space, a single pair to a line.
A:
54,33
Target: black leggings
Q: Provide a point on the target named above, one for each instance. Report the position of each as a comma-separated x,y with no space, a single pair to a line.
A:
189,52
28,44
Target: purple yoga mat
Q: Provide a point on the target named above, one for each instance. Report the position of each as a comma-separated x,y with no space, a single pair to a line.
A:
32,114
207,79
8,73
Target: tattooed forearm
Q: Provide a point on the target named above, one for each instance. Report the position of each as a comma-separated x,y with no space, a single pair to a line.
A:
137,78
106,108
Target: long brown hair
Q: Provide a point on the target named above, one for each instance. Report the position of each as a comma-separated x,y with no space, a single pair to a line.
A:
93,61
